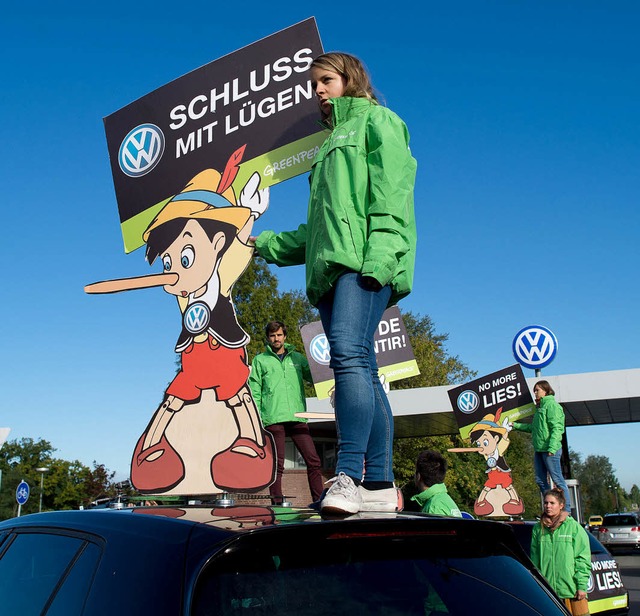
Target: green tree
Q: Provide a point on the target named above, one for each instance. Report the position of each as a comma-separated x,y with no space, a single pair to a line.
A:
437,367
66,485
598,483
258,301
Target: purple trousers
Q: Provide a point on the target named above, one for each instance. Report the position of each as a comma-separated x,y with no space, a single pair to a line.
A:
298,431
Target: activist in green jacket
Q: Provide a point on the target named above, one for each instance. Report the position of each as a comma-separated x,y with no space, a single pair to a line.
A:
360,216
358,245
277,385
546,430
436,501
560,549
547,426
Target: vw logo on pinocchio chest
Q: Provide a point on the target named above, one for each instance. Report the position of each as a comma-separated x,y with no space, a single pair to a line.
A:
196,318
535,346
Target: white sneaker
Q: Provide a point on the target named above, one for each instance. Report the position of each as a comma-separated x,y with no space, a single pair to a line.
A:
389,499
342,497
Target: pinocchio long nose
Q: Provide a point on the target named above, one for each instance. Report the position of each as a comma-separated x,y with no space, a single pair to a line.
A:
129,284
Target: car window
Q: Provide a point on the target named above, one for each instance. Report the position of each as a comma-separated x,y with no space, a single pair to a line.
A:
400,577
33,567
71,597
595,546
620,520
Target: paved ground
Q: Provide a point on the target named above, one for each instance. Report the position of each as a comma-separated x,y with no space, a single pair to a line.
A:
629,563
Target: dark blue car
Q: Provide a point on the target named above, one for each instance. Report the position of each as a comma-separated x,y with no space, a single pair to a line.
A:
263,561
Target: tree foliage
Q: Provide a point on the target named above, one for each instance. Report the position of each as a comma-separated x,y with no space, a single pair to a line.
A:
599,486
258,301
65,485
437,367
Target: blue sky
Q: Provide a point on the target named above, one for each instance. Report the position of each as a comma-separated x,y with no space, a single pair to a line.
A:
523,119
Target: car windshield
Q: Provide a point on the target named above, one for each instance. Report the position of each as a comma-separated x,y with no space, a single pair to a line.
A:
368,576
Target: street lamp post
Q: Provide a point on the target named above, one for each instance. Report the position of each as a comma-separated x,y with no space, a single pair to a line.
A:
615,493
42,470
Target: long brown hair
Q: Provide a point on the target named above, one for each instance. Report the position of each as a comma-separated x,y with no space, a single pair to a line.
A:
356,76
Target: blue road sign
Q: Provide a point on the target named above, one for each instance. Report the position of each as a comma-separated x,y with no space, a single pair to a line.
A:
535,346
22,492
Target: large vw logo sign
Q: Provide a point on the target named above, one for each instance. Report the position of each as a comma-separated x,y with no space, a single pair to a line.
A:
320,350
468,401
141,150
196,318
535,346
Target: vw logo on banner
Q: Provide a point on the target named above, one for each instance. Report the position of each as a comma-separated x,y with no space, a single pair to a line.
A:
468,401
535,346
320,350
141,150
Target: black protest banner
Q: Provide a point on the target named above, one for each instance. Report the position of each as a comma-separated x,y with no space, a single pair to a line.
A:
259,96
391,344
505,390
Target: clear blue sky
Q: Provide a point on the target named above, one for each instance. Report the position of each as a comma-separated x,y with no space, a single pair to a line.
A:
524,122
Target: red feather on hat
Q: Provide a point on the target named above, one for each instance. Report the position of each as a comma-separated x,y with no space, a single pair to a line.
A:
231,170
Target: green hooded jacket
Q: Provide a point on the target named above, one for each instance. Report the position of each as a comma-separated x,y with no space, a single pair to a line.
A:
360,216
562,556
547,426
277,385
436,500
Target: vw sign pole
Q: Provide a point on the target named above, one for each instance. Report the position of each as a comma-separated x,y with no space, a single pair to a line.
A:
535,347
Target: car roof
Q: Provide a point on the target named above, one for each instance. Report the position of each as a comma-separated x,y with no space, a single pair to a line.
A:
175,523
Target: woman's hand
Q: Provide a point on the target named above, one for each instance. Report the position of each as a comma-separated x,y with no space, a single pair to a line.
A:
580,594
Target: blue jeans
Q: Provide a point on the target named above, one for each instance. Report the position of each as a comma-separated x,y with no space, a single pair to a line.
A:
350,314
543,465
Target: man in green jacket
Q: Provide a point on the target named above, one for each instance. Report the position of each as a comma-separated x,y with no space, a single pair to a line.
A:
433,498
276,383
547,428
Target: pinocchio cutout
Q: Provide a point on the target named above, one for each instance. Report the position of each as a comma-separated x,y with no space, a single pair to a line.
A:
498,496
206,436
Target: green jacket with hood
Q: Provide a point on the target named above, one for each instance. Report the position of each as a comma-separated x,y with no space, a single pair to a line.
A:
563,556
436,500
360,216
547,426
277,385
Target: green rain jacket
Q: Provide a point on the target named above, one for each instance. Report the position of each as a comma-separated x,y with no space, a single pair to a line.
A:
547,426
562,556
360,216
277,386
436,500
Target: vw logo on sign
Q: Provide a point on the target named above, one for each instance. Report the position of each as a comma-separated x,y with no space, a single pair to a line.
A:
468,401
196,318
320,350
535,346
141,150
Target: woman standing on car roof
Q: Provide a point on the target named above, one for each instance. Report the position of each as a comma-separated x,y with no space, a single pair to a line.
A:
560,550
546,430
358,246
